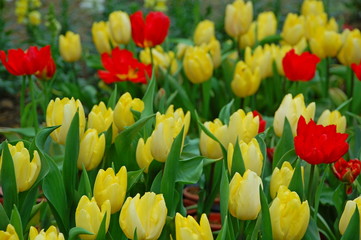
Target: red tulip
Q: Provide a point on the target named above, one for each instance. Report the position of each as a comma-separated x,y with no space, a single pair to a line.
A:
19,62
317,144
121,66
300,67
347,171
357,70
262,123
150,32
48,72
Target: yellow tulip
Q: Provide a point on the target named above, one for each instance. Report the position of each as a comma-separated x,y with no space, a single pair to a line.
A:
187,228
260,58
21,9
312,7
332,25
26,171
61,112
147,215
351,49
279,53
109,186
123,116
313,24
101,37
119,26
160,58
197,64
34,18
327,118
242,126
293,29
325,43
289,216
249,38
238,18
214,49
100,118
292,109
50,234
70,46
210,148
91,149
181,50
89,216
251,155
244,199
245,81
143,154
204,32
347,213
281,177
266,25
167,128
9,234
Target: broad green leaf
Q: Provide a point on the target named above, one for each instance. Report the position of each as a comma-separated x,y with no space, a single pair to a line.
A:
156,184
222,235
85,187
289,156
15,220
189,170
312,232
237,161
270,39
284,145
225,112
27,132
263,148
4,219
224,192
266,226
76,231
296,183
102,230
148,100
133,178
113,98
324,228
353,228
27,201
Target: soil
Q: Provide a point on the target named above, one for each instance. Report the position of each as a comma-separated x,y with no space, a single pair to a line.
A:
9,112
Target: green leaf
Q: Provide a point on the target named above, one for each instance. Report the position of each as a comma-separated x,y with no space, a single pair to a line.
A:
353,228
156,184
76,231
225,112
222,235
27,199
324,228
170,171
296,183
237,161
4,219
148,100
42,136
133,178
289,156
8,180
27,132
270,39
113,97
102,230
85,187
189,170
15,220
266,226
284,145
71,157
312,231
224,192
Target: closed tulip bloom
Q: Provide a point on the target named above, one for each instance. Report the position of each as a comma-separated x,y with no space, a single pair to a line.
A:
293,29
289,217
300,67
251,155
47,72
347,213
210,148
347,171
167,128
238,18
328,118
26,170
351,49
245,81
100,118
279,53
146,215
91,149
356,68
89,216
281,177
50,234
160,58
249,38
242,126
119,26
312,7
70,46
123,116
214,49
109,186
292,109
101,37
326,43
313,23
143,153
34,18
9,234
187,228
198,65
244,200
266,25
260,58
204,32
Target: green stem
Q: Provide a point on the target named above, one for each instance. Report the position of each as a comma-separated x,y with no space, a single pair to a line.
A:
33,104
206,87
319,191
22,98
327,76
309,189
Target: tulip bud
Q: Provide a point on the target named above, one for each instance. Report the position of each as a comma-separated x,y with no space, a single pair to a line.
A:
313,24
61,112
335,118
160,58
181,50
245,82
244,200
146,215
70,47
51,234
266,25
242,126
350,52
123,116
348,212
251,155
109,186
293,29
312,7
337,96
10,233
167,128
204,32
260,58
34,18
91,149
26,171
101,37
278,54
289,216
101,118
281,177
198,65
292,109
214,49
347,171
119,26
238,18
187,228
325,43
89,216
143,153
249,38
210,148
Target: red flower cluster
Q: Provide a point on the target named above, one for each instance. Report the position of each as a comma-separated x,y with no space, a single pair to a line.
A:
149,32
121,66
262,123
300,67
317,144
32,61
357,70
347,171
